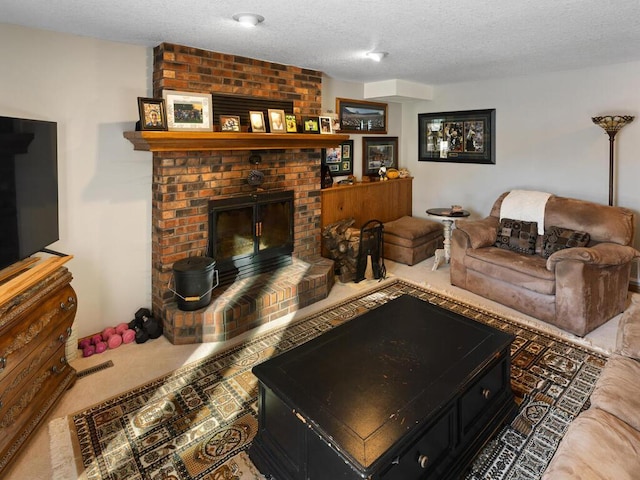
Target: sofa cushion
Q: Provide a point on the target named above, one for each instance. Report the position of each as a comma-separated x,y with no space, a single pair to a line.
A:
618,390
558,238
628,336
517,235
526,271
596,446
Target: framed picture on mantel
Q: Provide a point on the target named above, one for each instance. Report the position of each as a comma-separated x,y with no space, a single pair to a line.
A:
153,115
188,111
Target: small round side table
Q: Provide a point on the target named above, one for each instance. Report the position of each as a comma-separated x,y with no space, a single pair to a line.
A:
447,217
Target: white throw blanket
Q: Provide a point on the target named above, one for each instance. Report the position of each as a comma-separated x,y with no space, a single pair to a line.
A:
527,205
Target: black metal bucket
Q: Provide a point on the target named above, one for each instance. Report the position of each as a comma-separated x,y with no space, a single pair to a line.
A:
193,279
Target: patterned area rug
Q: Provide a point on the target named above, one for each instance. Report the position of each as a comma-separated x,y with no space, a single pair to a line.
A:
198,422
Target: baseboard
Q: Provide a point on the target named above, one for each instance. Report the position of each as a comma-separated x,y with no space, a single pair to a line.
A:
634,287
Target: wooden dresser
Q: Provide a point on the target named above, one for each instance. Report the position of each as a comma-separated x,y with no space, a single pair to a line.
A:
35,324
384,201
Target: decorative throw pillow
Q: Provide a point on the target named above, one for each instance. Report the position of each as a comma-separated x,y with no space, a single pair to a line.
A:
558,238
517,235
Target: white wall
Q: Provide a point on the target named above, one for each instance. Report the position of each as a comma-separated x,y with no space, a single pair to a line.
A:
545,139
90,89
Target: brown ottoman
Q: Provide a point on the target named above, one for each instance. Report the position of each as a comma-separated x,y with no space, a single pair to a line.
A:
410,240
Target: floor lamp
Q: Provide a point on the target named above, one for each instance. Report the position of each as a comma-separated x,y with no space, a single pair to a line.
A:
612,124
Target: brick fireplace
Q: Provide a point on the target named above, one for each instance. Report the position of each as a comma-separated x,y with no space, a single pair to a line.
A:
185,181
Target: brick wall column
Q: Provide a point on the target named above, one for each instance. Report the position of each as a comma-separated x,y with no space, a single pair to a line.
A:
184,182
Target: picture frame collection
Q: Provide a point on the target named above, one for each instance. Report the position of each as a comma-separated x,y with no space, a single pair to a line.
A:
339,160
460,137
193,112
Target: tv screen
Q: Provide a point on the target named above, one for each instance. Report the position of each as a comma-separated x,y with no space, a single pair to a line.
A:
28,187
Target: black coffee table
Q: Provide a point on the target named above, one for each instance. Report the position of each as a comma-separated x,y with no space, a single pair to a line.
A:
407,390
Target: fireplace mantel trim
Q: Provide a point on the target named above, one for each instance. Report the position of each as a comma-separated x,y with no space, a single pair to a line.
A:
151,141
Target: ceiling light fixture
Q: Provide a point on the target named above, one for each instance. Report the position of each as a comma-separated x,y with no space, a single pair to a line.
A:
376,56
248,19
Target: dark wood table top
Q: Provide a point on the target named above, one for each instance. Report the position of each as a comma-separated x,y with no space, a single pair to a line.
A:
447,212
368,382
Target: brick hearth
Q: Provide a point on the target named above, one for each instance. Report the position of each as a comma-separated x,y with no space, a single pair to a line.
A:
251,302
184,182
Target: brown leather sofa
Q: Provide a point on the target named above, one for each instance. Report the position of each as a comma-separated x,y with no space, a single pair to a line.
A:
603,442
577,289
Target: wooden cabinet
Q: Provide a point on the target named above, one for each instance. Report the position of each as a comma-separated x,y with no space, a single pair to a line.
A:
35,324
384,201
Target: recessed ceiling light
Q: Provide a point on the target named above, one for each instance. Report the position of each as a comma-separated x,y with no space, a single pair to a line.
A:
248,19
376,56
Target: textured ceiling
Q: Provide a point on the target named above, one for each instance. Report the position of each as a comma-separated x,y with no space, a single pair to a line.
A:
428,41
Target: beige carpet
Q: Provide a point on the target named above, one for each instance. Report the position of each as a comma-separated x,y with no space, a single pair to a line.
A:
197,422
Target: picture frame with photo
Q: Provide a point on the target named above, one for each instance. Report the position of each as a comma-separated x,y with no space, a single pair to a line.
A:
188,111
229,123
460,137
292,123
153,115
339,159
256,118
311,125
325,125
360,116
378,152
276,121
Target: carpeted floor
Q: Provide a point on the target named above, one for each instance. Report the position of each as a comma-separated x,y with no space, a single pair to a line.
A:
198,422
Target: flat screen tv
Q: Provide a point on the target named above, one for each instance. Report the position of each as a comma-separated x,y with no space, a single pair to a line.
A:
28,187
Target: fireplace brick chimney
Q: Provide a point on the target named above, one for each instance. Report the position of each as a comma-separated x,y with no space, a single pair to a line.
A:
184,182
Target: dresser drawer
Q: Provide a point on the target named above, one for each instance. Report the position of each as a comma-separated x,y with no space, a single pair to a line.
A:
33,397
481,394
34,360
34,326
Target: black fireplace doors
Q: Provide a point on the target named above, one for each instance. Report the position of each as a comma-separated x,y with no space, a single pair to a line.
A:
251,234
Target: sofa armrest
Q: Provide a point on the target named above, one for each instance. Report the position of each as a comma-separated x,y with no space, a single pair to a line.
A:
602,254
628,338
479,233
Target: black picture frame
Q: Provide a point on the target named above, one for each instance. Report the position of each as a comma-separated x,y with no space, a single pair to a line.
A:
360,116
378,152
339,160
311,125
153,114
460,137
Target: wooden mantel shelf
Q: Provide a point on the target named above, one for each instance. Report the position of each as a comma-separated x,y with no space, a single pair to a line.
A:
190,141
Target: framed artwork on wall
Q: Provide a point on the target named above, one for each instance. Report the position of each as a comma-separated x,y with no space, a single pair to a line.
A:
379,152
188,111
460,137
339,159
360,116
153,115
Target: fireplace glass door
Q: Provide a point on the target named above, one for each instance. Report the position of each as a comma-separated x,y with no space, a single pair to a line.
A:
251,234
